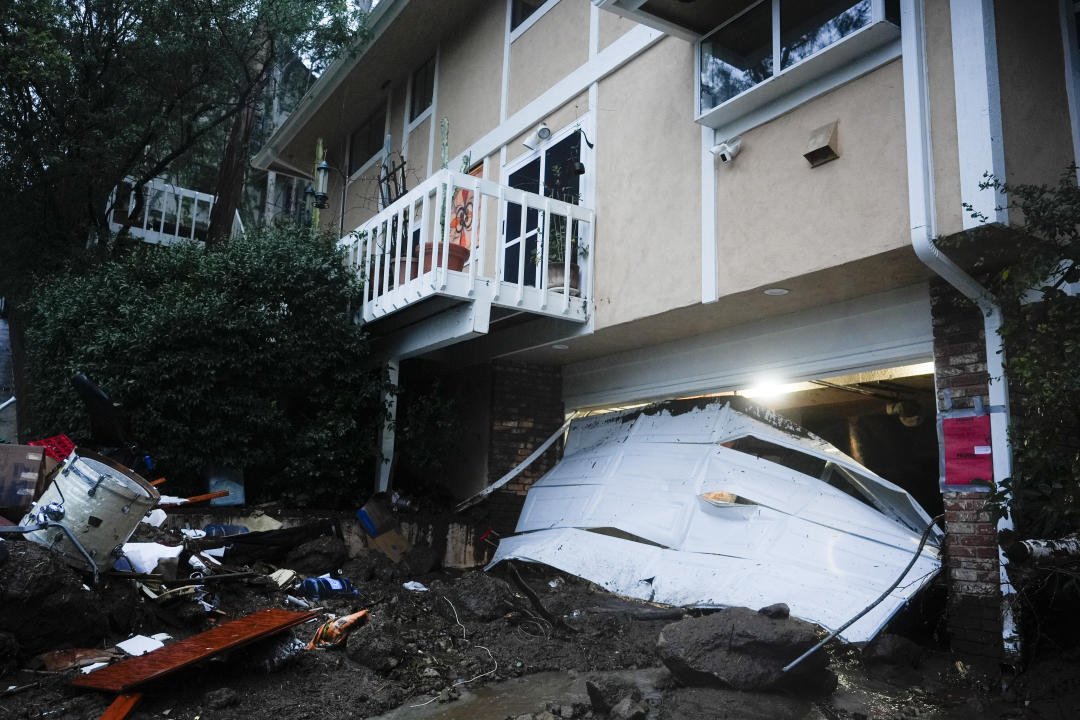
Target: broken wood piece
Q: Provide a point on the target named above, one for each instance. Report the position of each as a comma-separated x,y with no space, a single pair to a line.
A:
122,706
171,502
131,673
157,482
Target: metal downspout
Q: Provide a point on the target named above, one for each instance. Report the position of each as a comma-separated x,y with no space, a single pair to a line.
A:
923,230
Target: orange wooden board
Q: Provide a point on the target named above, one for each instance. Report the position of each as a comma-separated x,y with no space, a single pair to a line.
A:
135,671
121,707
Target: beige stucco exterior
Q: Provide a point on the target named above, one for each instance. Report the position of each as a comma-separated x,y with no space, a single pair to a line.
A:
942,93
648,188
556,43
611,28
1038,143
469,79
778,217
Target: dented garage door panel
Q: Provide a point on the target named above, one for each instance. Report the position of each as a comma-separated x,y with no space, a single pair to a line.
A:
769,533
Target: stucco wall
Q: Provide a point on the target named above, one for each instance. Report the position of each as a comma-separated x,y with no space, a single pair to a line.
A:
1038,142
943,118
470,79
545,53
778,217
647,257
612,27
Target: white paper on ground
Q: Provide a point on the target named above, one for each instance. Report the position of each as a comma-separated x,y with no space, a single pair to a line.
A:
139,645
144,557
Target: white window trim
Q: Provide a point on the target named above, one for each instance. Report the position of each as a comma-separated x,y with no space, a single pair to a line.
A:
410,125
583,123
852,56
529,21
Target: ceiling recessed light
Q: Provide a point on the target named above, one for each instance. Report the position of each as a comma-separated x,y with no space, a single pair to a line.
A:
776,291
560,346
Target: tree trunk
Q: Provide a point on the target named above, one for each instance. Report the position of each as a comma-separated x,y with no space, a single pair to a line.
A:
1046,552
230,185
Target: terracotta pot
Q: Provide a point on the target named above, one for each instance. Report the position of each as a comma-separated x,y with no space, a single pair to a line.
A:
555,277
455,260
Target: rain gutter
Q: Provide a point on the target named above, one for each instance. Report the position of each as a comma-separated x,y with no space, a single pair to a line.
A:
972,22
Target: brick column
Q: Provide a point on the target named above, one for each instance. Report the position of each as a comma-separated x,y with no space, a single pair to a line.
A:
526,408
971,544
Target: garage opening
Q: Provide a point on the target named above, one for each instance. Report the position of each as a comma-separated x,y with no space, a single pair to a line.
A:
884,419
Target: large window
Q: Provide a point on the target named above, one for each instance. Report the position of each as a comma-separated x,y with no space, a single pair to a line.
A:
770,37
423,88
367,140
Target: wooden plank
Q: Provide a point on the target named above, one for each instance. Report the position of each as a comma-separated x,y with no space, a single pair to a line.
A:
135,671
122,706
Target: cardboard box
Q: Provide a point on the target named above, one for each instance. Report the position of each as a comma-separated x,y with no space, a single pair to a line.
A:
376,517
391,543
22,474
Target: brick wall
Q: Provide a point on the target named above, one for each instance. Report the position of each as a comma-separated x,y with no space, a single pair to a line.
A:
971,548
526,408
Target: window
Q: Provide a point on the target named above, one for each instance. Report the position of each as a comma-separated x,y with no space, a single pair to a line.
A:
772,37
367,140
423,89
550,173
520,10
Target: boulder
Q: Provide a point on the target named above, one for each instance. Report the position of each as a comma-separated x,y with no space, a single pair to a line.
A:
315,557
889,649
746,650
44,604
475,596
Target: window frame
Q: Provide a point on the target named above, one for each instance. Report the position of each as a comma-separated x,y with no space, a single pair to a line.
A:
528,22
854,54
424,114
379,153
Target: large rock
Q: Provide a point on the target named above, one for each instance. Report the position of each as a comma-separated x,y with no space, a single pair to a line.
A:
322,555
746,650
376,645
44,603
475,596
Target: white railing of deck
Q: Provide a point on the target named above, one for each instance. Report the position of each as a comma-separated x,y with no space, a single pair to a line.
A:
170,214
404,255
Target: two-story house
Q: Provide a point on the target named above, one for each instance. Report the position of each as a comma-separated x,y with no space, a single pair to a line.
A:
566,206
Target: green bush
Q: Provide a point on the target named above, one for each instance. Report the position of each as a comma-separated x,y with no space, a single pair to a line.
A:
243,355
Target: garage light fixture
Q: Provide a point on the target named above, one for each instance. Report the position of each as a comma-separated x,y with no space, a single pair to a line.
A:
776,291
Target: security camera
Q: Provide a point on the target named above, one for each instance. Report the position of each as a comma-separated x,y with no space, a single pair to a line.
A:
727,150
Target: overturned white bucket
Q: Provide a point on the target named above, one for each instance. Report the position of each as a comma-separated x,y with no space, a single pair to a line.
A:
103,503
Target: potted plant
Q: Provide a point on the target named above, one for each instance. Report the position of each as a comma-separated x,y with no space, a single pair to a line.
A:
556,262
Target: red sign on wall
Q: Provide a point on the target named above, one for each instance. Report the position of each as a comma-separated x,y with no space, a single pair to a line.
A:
968,454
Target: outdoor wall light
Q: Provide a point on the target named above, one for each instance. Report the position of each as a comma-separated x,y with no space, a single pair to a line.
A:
322,177
542,132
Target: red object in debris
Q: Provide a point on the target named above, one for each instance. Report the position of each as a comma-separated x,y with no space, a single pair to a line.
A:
121,707
334,631
196,498
135,671
58,447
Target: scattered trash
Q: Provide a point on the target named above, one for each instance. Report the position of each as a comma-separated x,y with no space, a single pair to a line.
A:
332,632
285,578
229,482
414,586
144,557
392,544
325,587
21,478
72,658
216,530
141,644
155,517
293,600
375,516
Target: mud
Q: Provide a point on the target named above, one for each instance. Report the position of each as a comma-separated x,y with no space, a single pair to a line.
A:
475,646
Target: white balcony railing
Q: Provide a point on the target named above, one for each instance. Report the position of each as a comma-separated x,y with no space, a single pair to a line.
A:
458,236
170,214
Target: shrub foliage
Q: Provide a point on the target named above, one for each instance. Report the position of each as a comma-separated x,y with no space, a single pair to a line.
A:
1031,273
242,355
